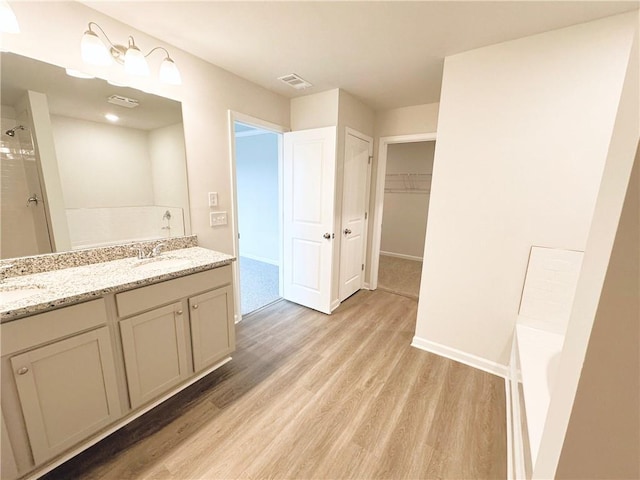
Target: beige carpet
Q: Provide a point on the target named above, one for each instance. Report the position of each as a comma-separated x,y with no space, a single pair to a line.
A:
398,275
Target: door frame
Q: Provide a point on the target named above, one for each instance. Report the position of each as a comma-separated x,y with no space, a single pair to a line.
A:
272,127
383,146
351,131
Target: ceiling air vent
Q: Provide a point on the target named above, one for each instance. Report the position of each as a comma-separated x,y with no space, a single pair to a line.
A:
295,81
123,101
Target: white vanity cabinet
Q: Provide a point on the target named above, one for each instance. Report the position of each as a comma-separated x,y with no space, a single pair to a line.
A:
67,391
212,326
163,346
65,381
155,355
72,375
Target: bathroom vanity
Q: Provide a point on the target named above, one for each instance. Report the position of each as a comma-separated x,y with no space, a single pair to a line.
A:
87,349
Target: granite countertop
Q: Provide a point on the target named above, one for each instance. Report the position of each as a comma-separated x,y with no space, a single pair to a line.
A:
59,288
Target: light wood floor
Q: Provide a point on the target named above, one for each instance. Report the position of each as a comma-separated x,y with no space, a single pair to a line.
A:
315,396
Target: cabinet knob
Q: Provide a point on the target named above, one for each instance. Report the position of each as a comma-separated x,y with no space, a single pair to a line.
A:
179,312
195,306
23,370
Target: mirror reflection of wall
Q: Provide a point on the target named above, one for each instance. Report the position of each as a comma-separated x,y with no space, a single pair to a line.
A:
103,181
24,226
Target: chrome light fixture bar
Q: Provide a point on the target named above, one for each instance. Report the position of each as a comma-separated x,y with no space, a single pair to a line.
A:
96,52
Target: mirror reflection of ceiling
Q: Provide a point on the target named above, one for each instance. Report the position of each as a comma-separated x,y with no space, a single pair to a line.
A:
83,98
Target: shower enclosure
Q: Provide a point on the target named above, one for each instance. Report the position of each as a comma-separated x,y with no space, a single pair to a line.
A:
22,210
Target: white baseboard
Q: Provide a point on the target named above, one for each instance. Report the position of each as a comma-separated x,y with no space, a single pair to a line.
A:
270,261
401,255
460,356
366,286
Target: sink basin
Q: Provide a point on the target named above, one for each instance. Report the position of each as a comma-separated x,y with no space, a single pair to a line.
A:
14,294
161,264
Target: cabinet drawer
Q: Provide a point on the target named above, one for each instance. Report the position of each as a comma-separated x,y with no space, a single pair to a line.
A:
146,298
46,327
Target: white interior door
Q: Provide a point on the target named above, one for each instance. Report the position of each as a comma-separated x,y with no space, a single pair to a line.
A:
358,149
309,188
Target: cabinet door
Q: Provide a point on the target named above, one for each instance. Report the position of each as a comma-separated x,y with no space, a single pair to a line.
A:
155,355
67,391
8,467
212,327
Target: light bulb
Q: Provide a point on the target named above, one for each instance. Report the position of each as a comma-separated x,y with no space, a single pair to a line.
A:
93,50
8,20
169,73
134,62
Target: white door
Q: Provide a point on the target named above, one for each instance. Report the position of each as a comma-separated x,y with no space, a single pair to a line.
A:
309,187
357,151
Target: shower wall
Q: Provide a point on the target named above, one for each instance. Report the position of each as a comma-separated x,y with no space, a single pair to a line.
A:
23,226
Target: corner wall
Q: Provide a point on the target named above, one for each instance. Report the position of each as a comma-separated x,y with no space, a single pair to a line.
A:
523,133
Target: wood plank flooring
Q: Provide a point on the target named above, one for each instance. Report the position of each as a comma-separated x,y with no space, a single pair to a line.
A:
311,396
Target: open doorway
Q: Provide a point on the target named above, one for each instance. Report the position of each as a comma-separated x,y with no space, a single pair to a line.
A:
405,167
257,153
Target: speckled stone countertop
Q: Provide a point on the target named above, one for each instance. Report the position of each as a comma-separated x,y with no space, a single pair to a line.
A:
58,288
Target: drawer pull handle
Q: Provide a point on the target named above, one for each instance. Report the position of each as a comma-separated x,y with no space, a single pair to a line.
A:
23,370
195,307
179,312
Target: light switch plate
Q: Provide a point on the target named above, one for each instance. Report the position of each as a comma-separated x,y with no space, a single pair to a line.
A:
217,218
213,199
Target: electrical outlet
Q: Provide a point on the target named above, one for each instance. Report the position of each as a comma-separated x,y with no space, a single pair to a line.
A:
213,199
217,218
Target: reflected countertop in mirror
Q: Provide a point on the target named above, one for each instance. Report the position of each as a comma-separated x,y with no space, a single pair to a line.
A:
72,178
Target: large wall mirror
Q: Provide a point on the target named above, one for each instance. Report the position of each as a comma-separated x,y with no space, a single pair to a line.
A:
86,163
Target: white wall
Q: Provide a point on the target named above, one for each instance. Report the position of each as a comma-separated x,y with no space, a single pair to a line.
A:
407,120
102,165
207,93
602,313
168,166
258,197
404,219
315,110
607,403
523,132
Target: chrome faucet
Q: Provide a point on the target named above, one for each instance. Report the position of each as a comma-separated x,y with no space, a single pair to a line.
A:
156,251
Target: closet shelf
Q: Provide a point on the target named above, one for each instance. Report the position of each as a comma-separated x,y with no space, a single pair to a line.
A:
407,183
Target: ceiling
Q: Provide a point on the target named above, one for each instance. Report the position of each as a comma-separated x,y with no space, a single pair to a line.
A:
387,53
82,98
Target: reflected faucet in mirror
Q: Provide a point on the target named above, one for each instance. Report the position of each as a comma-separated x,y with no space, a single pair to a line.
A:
60,153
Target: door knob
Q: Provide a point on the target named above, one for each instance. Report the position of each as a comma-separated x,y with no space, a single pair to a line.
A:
347,231
327,236
33,199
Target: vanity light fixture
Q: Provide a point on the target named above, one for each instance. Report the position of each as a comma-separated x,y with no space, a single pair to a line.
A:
8,20
96,52
77,73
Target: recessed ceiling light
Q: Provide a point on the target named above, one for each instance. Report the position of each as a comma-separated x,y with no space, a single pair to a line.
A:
77,73
111,117
296,81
